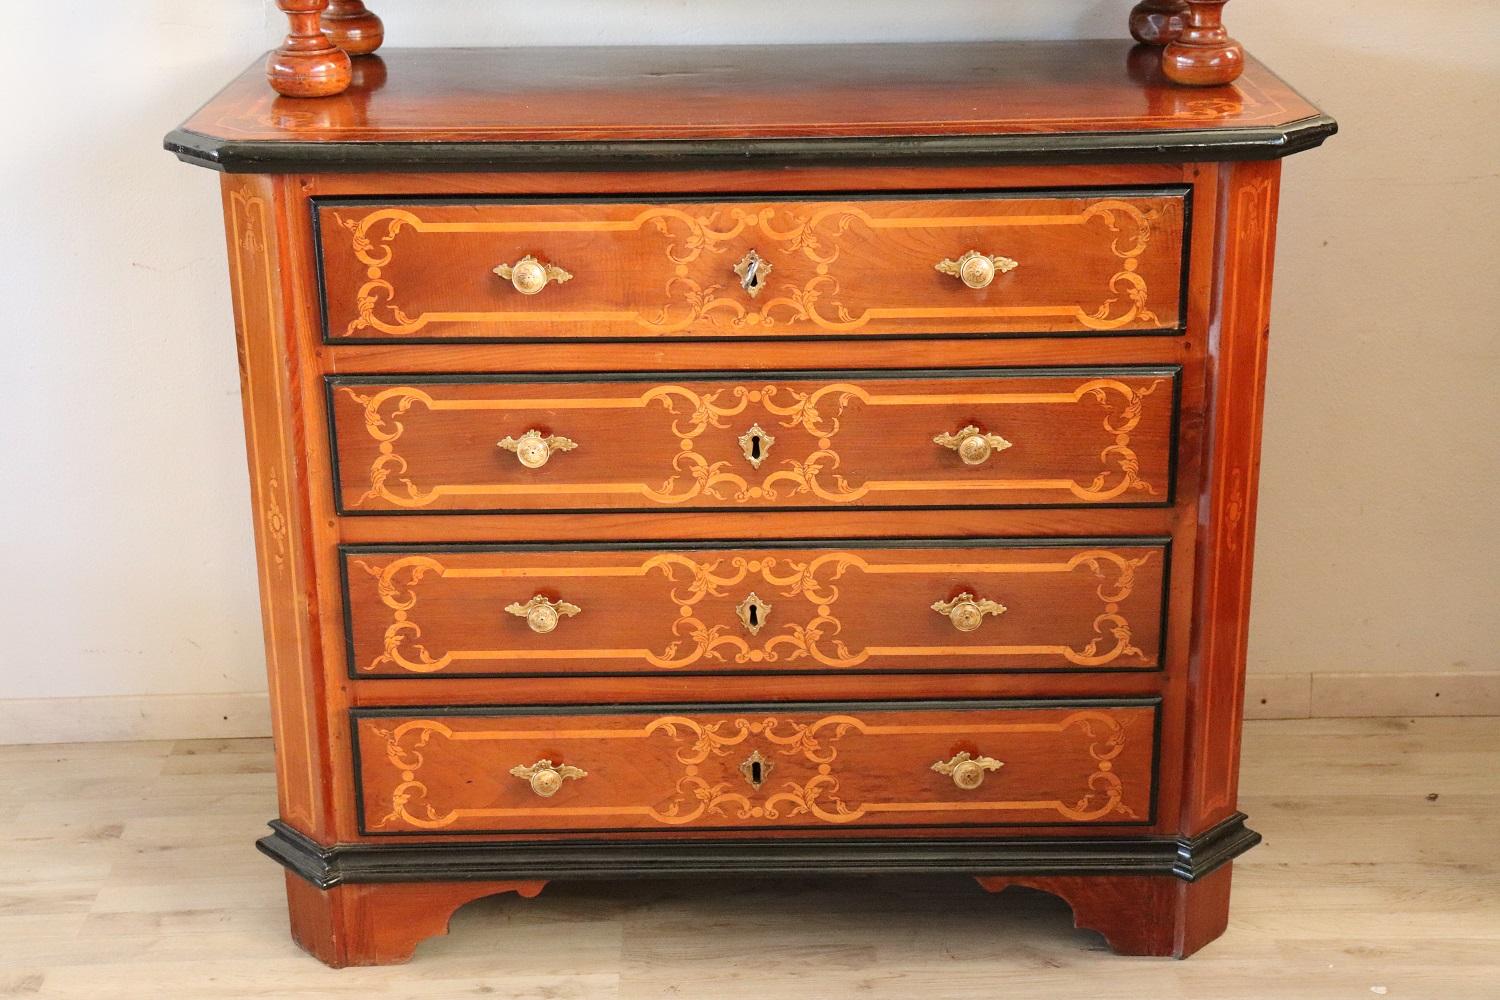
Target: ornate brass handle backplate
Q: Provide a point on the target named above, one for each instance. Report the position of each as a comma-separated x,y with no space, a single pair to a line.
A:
967,612
530,276
541,614
973,445
977,270
546,777
535,450
967,771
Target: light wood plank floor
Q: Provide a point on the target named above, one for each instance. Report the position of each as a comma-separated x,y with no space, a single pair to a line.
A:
127,872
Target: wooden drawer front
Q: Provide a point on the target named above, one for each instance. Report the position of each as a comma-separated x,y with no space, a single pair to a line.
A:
1055,438
1102,262
674,767
464,609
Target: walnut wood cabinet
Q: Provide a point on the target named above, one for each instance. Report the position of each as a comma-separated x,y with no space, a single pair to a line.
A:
753,461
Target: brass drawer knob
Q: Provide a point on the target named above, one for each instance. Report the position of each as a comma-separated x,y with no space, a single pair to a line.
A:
754,270
546,777
977,270
534,450
973,445
530,275
967,612
967,771
541,614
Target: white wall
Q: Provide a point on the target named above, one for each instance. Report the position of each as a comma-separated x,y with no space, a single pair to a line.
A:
128,566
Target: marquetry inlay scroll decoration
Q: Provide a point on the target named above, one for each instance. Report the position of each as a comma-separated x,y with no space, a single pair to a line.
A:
812,232
818,413
809,752
709,589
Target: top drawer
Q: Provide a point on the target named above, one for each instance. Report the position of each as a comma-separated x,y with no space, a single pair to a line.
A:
486,270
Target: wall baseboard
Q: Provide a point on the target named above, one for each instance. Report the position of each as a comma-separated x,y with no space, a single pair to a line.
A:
231,716
134,717
1355,696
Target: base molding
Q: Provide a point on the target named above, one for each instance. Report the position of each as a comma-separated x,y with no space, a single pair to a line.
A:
1187,859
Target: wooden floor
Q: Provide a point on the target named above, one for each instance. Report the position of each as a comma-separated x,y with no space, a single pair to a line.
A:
127,872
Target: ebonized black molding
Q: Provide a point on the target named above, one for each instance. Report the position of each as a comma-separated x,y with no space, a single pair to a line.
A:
1186,146
1189,858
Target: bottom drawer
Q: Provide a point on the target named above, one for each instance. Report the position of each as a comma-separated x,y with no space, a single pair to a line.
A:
753,767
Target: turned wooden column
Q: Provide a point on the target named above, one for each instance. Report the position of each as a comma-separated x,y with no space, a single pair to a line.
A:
1203,55
351,26
307,64
1157,22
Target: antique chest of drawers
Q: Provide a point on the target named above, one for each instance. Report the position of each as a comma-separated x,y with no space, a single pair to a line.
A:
754,461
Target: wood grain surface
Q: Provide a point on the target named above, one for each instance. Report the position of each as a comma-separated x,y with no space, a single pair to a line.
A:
839,767
1083,437
697,92
642,611
1096,263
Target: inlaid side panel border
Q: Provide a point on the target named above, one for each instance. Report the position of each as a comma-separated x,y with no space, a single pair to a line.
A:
1237,347
284,550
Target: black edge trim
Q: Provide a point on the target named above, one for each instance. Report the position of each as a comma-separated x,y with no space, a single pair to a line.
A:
1176,146
1173,371
930,704
1186,858
1164,543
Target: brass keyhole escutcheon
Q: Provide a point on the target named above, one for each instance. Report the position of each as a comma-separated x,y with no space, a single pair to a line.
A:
754,270
753,613
756,444
756,769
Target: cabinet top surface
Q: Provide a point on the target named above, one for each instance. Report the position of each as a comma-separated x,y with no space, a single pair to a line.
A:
482,109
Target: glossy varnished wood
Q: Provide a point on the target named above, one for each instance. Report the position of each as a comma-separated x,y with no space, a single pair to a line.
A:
436,651
1098,263
647,610
353,27
381,924
839,767
1083,437
471,109
307,64
1147,915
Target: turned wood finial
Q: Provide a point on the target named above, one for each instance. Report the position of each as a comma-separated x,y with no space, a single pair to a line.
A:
1203,55
307,64
1157,22
353,27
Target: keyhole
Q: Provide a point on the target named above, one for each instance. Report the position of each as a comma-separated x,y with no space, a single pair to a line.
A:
755,448
754,624
756,776
752,280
